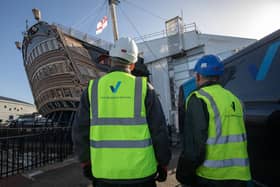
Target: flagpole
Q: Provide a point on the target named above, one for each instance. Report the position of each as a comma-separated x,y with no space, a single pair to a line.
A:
112,4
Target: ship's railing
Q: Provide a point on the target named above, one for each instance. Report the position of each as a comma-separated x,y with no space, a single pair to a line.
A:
23,149
85,37
107,45
187,28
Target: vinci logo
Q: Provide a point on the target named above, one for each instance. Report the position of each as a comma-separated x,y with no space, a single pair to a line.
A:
261,72
115,88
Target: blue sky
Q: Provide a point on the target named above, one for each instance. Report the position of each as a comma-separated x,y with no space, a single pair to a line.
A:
242,18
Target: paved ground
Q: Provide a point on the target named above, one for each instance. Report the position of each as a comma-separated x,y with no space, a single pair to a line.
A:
69,174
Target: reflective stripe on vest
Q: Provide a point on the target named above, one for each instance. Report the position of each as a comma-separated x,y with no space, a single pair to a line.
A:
226,163
219,139
121,144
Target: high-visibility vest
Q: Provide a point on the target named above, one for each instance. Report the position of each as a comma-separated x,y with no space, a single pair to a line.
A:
120,141
226,149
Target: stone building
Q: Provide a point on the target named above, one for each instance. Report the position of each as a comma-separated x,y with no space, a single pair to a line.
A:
11,108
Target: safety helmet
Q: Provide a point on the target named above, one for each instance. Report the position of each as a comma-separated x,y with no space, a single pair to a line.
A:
125,49
209,65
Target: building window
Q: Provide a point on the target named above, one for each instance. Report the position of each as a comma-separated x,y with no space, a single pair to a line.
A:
46,46
67,92
59,93
52,92
43,46
76,92
37,51
29,61
34,54
52,47
59,67
49,45
55,44
5,106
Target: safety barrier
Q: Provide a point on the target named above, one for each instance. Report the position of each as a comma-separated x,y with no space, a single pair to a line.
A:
23,149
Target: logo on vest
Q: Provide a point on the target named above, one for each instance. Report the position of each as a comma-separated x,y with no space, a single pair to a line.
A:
233,106
115,88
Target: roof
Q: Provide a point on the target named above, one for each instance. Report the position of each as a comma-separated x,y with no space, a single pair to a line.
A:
14,100
254,46
172,45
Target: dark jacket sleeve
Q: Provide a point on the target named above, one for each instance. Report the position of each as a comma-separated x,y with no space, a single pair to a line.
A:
195,134
157,126
80,129
181,109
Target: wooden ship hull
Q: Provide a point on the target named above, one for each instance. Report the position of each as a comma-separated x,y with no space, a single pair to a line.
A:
59,62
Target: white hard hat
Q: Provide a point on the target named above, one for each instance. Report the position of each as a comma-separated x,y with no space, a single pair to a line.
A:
126,49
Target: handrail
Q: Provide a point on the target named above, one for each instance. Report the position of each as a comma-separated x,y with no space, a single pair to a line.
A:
85,37
163,33
23,149
107,45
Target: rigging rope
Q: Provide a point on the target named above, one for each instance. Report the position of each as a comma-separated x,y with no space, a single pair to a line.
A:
139,35
145,10
94,23
90,15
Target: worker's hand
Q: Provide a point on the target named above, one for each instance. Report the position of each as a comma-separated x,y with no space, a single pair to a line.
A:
185,171
87,170
161,173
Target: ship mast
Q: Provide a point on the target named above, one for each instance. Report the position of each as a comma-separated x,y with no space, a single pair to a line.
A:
113,4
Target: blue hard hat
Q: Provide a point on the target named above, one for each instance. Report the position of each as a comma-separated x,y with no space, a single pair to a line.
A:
209,65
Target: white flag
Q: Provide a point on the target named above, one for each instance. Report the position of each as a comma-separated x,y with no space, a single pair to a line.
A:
102,24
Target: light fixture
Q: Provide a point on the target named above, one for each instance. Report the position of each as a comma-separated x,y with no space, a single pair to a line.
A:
36,14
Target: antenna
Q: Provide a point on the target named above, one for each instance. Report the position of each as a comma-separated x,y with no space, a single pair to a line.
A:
26,24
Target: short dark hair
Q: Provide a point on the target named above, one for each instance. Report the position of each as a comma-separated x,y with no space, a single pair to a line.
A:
117,62
120,60
214,78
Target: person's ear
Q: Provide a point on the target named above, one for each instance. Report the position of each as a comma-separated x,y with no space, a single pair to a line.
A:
197,77
131,66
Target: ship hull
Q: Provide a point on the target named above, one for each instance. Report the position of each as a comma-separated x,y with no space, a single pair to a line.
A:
58,67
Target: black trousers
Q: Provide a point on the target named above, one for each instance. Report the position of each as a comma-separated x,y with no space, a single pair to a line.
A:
202,182
151,183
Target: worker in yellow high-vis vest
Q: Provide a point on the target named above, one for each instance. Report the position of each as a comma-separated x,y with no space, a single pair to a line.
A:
214,136
119,132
